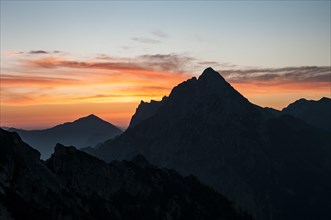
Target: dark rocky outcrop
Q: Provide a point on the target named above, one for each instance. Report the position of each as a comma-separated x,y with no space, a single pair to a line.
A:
146,110
74,185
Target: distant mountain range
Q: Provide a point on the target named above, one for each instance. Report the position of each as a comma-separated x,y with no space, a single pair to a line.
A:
84,132
74,185
316,113
272,164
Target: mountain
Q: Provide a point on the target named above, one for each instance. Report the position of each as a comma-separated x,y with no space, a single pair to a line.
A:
84,132
74,185
146,110
316,113
274,166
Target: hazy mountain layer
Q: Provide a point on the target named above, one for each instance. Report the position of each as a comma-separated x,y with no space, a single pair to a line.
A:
316,113
84,132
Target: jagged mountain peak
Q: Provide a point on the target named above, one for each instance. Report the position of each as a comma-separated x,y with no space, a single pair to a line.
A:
208,83
196,95
210,74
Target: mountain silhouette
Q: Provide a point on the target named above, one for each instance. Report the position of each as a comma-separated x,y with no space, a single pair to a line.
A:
316,113
72,184
274,166
83,132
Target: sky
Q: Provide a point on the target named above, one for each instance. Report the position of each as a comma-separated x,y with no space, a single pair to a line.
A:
61,60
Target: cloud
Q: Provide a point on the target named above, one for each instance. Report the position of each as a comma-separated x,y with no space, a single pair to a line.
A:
57,62
272,76
148,62
145,40
41,52
167,62
159,34
38,52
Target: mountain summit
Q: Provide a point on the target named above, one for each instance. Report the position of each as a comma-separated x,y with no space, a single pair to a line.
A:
83,132
210,74
198,96
208,129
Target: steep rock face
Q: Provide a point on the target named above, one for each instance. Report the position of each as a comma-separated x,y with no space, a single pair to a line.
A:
210,130
146,110
84,132
74,185
316,113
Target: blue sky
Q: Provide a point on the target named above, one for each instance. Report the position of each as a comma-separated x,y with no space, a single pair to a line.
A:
252,33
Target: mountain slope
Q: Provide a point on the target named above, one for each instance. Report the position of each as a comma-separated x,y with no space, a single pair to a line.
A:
205,127
75,185
84,132
316,113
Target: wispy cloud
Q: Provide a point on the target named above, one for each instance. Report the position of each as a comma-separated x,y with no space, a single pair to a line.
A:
279,75
56,62
31,52
159,34
147,62
167,62
145,40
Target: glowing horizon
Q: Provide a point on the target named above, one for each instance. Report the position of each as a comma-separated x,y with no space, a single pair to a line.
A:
41,91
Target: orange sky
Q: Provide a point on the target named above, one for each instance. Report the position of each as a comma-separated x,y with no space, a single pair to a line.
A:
40,91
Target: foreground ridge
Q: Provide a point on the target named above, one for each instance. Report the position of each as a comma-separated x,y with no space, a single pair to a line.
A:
74,185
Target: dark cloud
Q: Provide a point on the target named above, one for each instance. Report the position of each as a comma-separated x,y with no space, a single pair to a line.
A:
38,52
281,75
43,52
145,40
